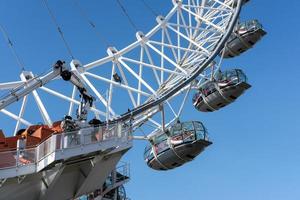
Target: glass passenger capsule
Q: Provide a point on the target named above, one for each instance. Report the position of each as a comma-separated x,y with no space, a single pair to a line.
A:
245,36
181,144
223,90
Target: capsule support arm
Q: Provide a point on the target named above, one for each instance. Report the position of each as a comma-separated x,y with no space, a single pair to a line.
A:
86,99
30,85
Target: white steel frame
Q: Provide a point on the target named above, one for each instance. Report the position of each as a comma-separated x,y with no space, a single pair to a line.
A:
177,50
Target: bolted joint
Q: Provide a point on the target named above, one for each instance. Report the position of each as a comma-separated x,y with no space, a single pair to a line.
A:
26,76
76,65
113,52
141,37
59,64
177,2
161,20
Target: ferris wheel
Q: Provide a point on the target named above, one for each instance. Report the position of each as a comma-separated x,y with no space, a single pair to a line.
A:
147,83
141,79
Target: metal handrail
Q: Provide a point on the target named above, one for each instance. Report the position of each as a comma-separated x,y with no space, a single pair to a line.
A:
86,136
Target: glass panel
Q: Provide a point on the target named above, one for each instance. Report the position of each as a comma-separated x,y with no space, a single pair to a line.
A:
48,146
188,126
160,138
196,96
231,76
208,88
27,156
151,156
242,76
71,139
176,129
161,146
254,24
200,130
147,152
188,136
200,135
8,159
198,126
249,25
219,76
60,141
243,27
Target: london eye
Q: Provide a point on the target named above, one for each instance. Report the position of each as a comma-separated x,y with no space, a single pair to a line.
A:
108,101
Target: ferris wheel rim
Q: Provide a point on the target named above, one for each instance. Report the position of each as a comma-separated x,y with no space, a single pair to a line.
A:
148,105
216,52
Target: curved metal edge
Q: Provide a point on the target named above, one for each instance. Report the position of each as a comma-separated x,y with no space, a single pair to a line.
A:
147,106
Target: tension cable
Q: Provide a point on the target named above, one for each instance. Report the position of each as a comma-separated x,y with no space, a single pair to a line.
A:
51,14
91,23
11,46
127,15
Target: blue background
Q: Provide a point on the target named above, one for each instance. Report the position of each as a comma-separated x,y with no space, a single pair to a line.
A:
256,151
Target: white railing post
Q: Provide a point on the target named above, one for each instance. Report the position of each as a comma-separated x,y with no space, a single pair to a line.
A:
37,154
21,144
62,141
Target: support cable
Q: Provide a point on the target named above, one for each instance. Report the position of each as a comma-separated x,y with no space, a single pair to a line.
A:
127,15
91,23
10,44
149,8
58,28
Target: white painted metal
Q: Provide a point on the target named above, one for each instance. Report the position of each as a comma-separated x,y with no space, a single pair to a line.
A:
157,71
154,70
22,110
31,85
64,146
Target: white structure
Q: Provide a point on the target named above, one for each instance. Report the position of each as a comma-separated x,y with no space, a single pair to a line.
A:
149,74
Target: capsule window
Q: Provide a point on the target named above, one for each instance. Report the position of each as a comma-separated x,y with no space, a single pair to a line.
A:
189,136
161,146
241,75
208,89
176,129
188,126
198,126
196,96
148,153
199,130
160,138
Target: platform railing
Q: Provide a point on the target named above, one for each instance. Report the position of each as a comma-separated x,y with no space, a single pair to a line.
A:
124,169
17,158
68,140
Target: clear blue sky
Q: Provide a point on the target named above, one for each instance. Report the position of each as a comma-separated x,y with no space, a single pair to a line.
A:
256,151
